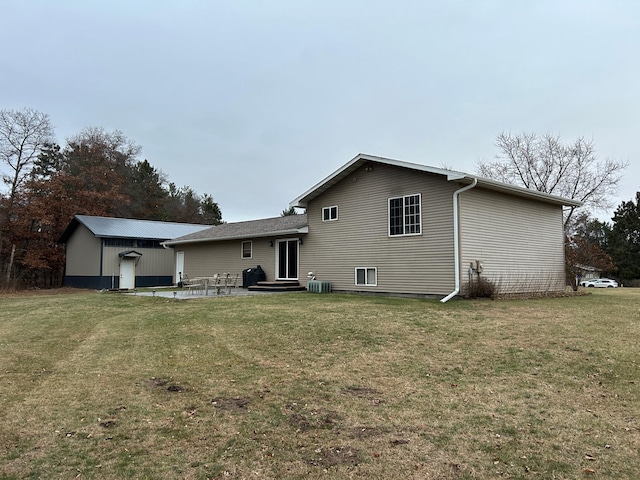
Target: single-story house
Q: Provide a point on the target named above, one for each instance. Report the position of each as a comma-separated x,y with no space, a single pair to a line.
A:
387,226
274,244
587,272
103,252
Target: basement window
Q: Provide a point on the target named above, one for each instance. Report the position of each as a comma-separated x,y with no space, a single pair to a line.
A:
366,276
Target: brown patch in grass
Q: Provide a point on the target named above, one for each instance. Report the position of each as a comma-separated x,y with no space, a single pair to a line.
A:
456,467
335,456
312,420
399,441
232,404
370,394
362,392
300,422
158,382
164,383
367,432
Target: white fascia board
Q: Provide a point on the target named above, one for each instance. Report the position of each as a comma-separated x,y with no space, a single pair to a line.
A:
302,230
451,176
301,200
525,192
360,160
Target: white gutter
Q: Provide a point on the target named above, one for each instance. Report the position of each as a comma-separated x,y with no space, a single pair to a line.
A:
276,233
456,240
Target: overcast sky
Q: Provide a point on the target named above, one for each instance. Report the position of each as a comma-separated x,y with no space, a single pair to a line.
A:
254,102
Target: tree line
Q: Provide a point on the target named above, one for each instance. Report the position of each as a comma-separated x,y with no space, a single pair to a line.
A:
96,172
612,247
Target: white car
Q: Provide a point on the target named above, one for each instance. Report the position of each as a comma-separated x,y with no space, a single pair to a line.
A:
600,283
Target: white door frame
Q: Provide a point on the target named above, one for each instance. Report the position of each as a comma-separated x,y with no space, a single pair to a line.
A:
127,273
286,247
179,266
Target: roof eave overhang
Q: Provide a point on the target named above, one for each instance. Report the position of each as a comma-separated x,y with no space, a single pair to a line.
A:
521,191
451,175
133,237
64,237
296,231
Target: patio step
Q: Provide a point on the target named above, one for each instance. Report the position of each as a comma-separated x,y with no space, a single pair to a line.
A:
277,286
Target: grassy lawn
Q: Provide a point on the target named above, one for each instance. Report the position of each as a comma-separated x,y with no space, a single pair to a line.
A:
319,386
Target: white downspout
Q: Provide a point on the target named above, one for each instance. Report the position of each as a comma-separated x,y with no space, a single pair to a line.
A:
456,240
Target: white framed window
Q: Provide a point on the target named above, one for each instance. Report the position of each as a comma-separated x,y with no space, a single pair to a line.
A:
330,214
405,217
246,249
367,276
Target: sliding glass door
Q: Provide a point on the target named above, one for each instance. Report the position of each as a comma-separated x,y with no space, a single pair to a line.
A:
288,259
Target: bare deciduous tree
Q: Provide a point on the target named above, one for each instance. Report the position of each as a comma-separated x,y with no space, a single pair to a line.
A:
547,165
22,134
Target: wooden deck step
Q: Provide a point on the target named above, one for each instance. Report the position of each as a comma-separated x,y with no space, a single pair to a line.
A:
277,286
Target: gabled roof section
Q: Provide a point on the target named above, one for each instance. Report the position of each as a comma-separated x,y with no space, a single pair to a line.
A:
107,227
266,227
363,159
130,254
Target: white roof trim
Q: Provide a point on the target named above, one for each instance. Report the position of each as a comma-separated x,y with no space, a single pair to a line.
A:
302,230
452,175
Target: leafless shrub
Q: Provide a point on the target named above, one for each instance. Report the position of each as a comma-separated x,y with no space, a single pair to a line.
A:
482,288
516,284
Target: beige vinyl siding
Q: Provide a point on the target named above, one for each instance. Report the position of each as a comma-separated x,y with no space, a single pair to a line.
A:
207,258
111,261
83,253
154,261
420,264
519,241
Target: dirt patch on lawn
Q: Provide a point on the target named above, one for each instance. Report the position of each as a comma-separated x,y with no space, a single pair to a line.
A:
304,419
367,432
165,384
232,404
335,456
308,421
371,394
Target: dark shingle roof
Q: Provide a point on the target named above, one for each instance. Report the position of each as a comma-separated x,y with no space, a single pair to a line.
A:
106,227
288,225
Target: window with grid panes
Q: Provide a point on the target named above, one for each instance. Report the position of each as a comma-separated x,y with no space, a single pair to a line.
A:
405,216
